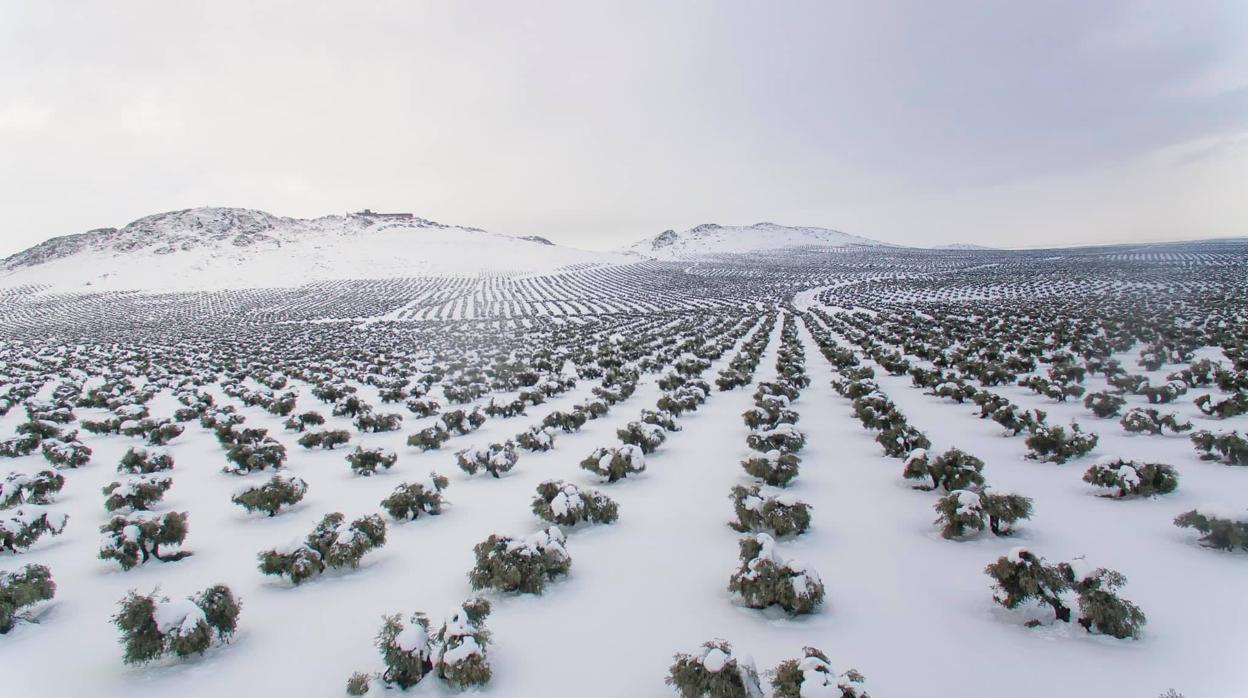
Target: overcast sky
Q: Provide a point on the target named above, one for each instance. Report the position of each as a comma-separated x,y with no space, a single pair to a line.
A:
599,123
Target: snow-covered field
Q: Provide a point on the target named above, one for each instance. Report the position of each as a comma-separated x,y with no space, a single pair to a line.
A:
910,610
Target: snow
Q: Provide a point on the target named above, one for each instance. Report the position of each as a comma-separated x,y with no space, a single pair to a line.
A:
286,252
412,638
178,617
715,660
899,596
712,239
466,648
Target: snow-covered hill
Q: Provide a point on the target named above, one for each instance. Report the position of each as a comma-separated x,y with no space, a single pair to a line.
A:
212,248
712,239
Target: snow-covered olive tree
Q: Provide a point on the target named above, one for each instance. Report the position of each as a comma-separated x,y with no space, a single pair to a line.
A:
1222,529
776,468
1132,478
1230,448
647,437
813,675
134,538
142,461
429,438
18,590
952,470
714,671
765,579
25,488
326,439
333,543
520,564
302,421
454,653
961,512
1104,404
278,492
243,458
614,463
136,492
1022,577
1149,421
152,627
366,461
410,501
494,459
565,504
758,510
66,452
536,439
784,437
22,527
1057,445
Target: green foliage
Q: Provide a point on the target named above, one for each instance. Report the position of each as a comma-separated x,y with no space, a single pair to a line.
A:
20,488
812,675
775,468
301,422
357,685
405,650
647,437
429,438
1102,610
1150,421
536,439
163,432
66,452
25,587
784,438
494,459
133,539
900,440
714,672
366,461
952,470
613,464
23,527
964,511
1022,576
764,579
137,492
781,515
1056,445
280,491
151,627
1132,478
1222,532
409,501
569,422
568,505
246,458
141,461
1232,406
331,544
460,646
1229,448
520,564
326,439
1103,404
373,422
461,422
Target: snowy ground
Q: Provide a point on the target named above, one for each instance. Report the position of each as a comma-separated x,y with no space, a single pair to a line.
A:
911,611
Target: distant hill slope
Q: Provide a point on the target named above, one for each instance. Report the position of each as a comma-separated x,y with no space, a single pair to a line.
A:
711,239
212,248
